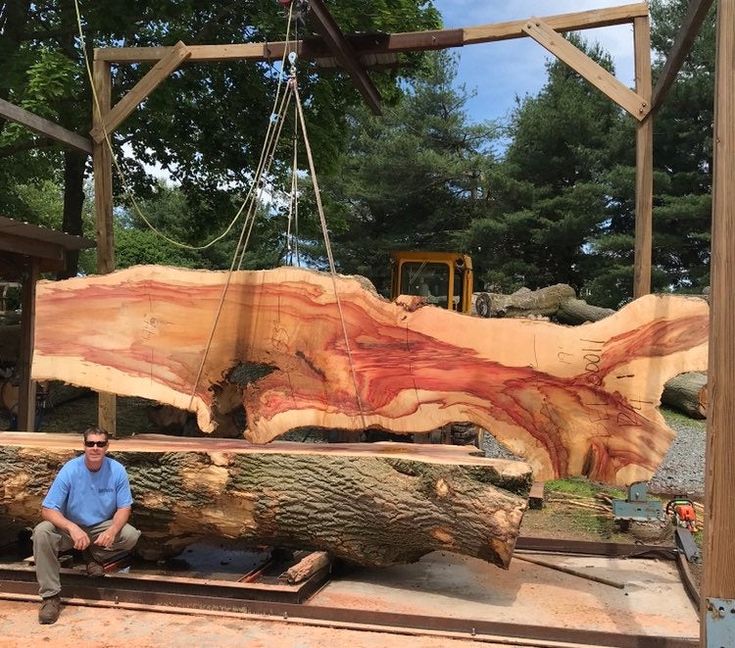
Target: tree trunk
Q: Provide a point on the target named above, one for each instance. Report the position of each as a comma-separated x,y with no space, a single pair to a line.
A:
571,400
74,163
688,394
370,504
578,311
524,302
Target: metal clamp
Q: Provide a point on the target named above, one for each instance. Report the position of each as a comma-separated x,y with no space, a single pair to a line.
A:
720,623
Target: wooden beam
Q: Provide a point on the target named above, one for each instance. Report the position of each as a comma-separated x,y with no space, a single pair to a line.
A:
342,50
719,524
157,74
31,247
598,76
27,391
698,10
102,159
389,43
643,162
580,20
44,127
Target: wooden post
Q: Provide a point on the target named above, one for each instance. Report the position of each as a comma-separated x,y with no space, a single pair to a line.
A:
102,159
719,558
643,162
27,391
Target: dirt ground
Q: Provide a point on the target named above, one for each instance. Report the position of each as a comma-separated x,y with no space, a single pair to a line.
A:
573,510
93,627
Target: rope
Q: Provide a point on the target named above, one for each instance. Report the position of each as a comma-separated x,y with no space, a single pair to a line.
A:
325,233
251,219
271,139
127,191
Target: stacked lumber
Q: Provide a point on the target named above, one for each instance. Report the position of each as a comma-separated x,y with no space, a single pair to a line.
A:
570,400
370,504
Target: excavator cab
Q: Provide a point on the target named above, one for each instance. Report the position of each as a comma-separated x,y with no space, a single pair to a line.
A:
442,278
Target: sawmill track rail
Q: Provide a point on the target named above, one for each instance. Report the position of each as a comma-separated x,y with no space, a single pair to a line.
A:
285,602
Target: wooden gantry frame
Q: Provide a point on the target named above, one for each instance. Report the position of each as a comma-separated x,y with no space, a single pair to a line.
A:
355,54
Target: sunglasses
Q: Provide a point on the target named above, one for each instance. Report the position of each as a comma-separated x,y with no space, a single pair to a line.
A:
99,444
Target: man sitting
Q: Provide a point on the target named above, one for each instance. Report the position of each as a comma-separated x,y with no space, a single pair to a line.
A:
87,508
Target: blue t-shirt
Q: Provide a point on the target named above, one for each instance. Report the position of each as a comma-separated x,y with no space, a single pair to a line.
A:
88,498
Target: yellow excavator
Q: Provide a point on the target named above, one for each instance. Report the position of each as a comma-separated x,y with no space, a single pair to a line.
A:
443,278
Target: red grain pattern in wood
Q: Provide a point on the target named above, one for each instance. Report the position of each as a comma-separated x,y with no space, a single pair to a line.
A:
571,400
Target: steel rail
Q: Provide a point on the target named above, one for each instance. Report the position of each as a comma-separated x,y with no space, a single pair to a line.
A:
275,601
688,581
385,621
22,580
376,620
591,548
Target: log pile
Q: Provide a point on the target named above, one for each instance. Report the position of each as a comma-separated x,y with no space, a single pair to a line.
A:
370,504
571,400
558,302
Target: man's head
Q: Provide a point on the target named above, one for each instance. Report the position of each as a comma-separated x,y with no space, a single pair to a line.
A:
95,447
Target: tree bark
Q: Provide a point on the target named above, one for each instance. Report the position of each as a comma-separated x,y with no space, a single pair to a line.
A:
688,394
74,163
307,566
578,311
524,302
370,504
571,400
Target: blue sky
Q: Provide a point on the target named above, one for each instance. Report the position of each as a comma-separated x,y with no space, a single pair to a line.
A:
498,72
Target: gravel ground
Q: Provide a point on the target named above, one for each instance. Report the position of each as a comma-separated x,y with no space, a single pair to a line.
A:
682,471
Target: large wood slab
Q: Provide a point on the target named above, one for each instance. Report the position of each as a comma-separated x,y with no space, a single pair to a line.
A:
572,401
371,504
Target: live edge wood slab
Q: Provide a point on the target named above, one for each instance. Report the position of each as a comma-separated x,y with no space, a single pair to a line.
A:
371,504
570,400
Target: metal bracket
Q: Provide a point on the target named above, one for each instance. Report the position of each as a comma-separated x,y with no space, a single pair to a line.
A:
637,506
720,623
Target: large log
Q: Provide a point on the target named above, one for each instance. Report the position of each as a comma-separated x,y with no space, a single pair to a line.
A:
578,311
688,394
572,401
371,504
524,302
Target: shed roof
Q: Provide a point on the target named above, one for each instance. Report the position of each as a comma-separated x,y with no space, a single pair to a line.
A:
19,240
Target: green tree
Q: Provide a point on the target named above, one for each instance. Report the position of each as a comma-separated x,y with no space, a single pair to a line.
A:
411,179
682,176
549,196
204,125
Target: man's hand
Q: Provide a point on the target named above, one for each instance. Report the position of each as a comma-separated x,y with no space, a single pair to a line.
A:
106,538
80,539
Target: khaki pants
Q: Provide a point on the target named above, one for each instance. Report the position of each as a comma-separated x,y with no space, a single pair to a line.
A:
48,541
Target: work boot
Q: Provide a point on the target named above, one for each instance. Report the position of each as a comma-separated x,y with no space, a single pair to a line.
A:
94,569
50,609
